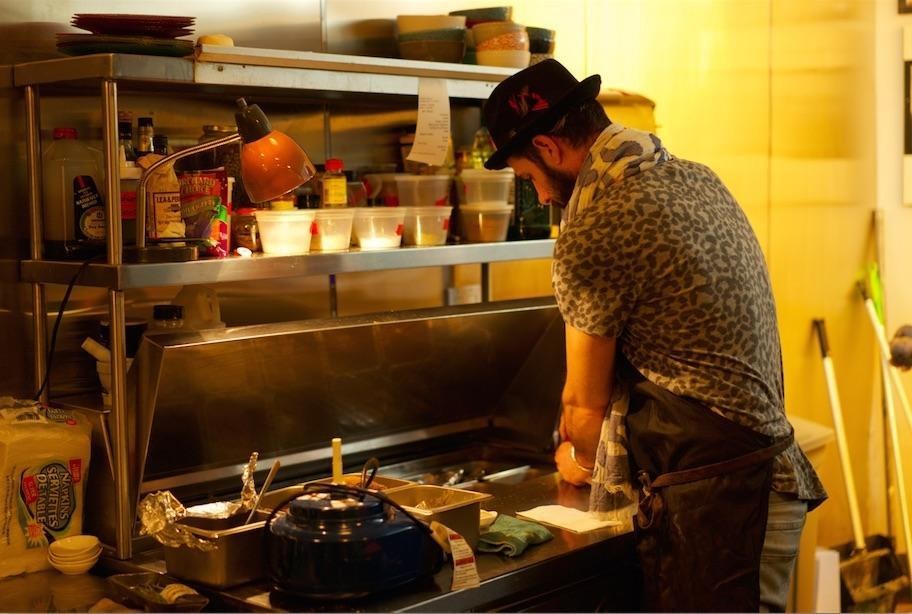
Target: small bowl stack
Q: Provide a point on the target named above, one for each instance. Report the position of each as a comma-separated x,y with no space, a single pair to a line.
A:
474,17
501,43
541,44
74,555
431,38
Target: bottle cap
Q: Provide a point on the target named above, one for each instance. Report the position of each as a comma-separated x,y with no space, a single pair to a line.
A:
168,312
333,165
65,133
144,121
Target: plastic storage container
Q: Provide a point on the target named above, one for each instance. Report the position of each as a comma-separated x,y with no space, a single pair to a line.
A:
481,186
484,224
423,190
74,214
285,233
331,230
378,227
426,225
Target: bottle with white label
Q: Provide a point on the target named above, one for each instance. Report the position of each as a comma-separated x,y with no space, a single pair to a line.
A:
74,213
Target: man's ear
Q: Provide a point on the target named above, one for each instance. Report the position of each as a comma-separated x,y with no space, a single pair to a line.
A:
549,149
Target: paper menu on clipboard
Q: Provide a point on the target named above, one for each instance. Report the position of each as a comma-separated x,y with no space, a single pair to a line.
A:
432,134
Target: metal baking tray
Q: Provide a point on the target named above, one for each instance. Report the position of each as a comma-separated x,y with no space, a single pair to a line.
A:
458,509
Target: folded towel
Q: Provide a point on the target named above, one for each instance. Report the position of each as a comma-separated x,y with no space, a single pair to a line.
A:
567,518
512,536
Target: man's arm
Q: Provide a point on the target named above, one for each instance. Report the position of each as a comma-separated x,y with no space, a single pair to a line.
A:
585,399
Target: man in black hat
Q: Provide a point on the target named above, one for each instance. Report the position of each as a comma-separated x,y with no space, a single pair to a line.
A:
674,366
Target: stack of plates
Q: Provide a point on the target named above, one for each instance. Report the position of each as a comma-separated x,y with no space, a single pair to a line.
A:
139,34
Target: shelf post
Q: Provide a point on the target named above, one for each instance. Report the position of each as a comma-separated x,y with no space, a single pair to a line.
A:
36,232
123,504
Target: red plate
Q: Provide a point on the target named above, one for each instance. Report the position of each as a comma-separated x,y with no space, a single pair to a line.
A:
160,26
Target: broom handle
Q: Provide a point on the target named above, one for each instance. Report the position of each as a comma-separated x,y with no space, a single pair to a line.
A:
885,352
897,458
839,426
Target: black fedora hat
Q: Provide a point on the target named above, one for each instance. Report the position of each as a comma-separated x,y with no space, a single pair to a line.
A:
530,103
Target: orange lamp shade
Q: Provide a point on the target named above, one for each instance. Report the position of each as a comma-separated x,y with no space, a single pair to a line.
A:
273,165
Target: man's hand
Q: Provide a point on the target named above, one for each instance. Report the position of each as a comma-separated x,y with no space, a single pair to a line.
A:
569,470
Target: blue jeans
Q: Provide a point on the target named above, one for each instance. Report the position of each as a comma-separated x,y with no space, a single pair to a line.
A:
780,549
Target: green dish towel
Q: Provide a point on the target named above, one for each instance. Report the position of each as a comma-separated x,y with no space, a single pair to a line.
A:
511,536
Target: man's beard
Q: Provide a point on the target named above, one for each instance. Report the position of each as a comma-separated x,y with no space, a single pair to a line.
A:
562,184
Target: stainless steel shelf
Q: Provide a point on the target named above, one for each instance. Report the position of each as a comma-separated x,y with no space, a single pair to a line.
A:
322,74
262,266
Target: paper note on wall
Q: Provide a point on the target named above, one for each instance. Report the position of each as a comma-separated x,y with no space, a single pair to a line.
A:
432,134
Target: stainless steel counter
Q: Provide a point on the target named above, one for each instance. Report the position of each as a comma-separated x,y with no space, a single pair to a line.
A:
572,572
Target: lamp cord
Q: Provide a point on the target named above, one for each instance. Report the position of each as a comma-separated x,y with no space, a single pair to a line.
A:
53,344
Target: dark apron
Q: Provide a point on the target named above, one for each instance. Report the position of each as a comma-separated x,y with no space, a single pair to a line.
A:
703,507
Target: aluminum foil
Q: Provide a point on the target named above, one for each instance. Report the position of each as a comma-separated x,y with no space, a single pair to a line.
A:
248,490
158,516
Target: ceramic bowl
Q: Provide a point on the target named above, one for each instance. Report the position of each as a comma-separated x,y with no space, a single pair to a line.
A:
444,34
432,51
508,58
541,40
74,545
482,15
75,558
74,569
417,23
483,31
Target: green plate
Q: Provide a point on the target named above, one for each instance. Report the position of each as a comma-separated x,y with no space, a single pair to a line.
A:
86,44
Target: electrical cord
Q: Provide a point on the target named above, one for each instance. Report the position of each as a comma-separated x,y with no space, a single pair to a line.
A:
53,344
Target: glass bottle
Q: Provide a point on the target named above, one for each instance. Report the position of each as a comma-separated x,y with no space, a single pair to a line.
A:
145,134
335,188
160,144
125,136
482,147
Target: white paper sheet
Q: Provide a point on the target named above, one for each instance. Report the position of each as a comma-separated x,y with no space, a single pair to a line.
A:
432,135
566,518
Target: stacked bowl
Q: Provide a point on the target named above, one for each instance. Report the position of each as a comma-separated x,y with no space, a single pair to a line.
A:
74,555
541,44
431,38
476,16
501,43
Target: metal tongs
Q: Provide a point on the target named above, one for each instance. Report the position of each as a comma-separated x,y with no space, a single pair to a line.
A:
372,465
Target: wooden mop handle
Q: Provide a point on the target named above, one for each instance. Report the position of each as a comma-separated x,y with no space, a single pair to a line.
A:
839,427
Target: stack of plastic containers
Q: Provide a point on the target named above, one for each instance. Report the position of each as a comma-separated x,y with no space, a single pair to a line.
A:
485,215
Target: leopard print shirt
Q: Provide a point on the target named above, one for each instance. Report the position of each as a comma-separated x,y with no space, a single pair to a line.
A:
667,262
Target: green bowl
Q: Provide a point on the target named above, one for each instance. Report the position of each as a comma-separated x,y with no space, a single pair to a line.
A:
491,13
541,40
445,34
432,51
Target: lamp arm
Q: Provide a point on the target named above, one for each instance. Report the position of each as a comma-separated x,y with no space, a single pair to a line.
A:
144,180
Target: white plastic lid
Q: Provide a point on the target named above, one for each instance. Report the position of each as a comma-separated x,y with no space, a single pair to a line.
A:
267,214
487,207
483,173
390,212
335,212
427,210
420,178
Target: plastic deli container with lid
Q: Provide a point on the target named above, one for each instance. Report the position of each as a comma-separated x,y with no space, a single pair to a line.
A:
331,230
484,224
285,233
423,190
378,227
426,225
480,185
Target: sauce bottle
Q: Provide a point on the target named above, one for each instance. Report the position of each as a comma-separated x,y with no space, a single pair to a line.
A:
335,187
74,214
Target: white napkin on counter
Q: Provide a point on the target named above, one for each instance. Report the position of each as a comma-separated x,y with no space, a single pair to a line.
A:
567,518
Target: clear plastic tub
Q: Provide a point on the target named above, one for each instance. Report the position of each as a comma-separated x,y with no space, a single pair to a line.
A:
426,225
423,190
484,224
378,227
480,185
285,233
331,230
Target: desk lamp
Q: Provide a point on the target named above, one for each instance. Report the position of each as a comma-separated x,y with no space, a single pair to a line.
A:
271,165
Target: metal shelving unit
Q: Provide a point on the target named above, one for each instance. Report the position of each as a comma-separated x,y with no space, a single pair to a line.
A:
218,71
